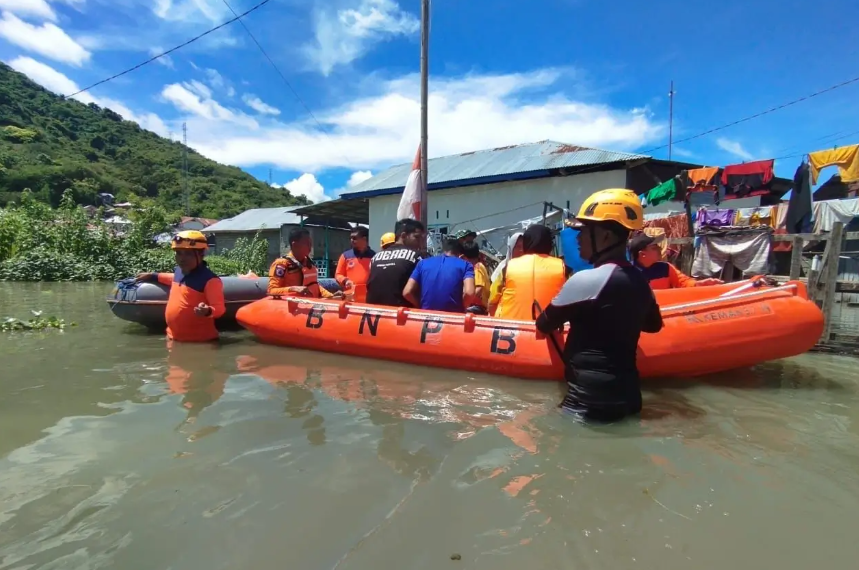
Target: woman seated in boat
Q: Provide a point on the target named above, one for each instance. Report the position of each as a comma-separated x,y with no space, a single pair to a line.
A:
295,272
532,280
646,254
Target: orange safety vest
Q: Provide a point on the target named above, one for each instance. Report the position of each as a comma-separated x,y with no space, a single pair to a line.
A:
531,277
288,272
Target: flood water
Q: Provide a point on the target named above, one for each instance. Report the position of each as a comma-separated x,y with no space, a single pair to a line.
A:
115,453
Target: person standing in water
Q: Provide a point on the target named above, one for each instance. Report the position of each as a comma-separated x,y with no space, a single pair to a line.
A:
608,307
196,296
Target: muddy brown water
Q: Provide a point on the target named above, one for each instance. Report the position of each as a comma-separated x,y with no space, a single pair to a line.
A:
115,453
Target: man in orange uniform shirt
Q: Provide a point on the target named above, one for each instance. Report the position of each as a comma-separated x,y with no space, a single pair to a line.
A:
196,293
647,256
295,273
353,269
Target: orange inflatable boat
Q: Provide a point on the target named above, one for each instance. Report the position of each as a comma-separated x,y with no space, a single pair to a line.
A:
707,330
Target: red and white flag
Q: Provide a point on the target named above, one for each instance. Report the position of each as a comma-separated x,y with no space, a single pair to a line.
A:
410,203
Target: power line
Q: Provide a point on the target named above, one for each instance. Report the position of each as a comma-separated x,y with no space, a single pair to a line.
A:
169,51
760,114
276,68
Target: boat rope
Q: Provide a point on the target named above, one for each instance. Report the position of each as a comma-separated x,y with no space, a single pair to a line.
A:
454,318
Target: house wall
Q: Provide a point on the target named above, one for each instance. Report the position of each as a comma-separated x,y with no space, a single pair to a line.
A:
495,204
190,225
278,241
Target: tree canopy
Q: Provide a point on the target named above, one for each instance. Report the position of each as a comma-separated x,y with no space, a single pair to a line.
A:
50,144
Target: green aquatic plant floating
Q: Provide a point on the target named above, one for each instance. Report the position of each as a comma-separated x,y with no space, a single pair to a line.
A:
37,323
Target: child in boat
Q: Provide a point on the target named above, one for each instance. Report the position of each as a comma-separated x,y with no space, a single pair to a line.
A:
646,254
196,294
471,253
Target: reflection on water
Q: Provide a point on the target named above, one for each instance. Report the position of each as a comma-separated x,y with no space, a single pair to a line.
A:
119,451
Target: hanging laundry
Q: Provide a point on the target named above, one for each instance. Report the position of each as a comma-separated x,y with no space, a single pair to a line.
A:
715,218
703,179
846,158
781,228
663,193
676,226
643,199
749,252
755,217
748,179
799,210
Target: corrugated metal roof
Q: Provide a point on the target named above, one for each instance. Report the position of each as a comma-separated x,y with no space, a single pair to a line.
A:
447,171
257,219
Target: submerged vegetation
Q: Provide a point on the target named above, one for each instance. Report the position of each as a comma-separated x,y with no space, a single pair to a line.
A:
36,323
39,243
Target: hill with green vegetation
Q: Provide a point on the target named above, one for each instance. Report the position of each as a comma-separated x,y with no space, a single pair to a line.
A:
50,144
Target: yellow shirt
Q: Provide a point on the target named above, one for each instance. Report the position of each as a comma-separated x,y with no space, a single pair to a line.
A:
481,279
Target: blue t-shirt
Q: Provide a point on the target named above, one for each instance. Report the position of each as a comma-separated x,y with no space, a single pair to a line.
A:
440,279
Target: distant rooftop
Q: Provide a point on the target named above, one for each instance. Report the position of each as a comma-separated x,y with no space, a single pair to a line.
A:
257,219
516,162
268,218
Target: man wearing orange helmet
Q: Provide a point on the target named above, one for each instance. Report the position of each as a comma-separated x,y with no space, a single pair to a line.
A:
196,294
608,307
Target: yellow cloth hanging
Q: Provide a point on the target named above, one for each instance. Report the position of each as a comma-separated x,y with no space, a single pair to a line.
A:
846,158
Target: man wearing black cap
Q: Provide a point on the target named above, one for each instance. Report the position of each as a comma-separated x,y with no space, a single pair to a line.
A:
647,256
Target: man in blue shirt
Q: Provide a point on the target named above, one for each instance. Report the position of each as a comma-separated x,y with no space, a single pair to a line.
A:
444,282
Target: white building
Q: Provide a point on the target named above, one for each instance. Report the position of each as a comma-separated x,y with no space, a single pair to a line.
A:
490,188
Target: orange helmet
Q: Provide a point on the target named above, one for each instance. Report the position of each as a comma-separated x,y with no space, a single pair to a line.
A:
613,205
190,239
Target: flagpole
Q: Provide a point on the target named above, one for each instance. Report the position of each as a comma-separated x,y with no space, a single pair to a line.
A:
425,15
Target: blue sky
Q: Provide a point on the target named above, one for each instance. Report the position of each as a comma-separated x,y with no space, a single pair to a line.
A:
502,72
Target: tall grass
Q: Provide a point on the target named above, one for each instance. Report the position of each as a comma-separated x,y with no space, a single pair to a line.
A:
38,243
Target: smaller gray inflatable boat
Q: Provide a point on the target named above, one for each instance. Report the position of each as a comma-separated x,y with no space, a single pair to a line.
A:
145,303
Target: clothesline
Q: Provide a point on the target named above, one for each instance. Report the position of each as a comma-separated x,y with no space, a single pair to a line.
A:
755,178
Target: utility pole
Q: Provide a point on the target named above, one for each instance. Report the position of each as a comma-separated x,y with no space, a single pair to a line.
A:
269,177
185,192
670,117
425,16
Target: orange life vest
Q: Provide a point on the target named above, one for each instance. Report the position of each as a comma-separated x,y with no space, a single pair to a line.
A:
531,277
288,272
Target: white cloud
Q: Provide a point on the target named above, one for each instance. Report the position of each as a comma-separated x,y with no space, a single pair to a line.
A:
734,147
37,8
258,105
195,98
165,60
308,186
53,80
344,36
218,83
466,113
358,177
683,152
47,40
190,10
